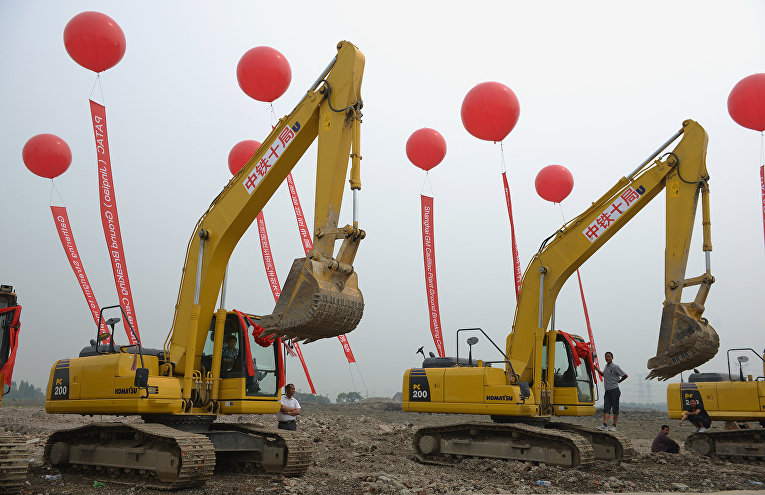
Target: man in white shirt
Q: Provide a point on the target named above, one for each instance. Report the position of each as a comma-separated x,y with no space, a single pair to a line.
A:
613,375
290,409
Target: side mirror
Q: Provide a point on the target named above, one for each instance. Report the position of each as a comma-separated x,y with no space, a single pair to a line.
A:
141,378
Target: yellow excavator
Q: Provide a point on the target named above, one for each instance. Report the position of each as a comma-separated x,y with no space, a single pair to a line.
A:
545,373
736,399
180,389
13,448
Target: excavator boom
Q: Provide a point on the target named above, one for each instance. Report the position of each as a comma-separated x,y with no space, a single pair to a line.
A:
321,297
685,338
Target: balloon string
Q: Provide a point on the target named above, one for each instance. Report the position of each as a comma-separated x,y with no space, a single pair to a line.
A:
561,213
502,154
273,115
52,189
362,377
427,181
762,148
350,372
100,88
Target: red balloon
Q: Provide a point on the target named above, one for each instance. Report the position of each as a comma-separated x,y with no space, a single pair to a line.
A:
490,111
240,154
554,183
746,102
94,41
47,155
425,148
263,73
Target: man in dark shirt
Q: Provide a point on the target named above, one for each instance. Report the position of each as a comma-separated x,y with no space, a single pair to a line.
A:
662,442
696,414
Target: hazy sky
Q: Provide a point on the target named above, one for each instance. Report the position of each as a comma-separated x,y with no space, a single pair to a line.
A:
601,85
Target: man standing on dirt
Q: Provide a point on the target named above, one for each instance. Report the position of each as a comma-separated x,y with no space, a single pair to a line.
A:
290,409
662,442
612,377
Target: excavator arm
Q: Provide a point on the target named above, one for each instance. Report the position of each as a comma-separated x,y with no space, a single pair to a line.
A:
686,339
320,297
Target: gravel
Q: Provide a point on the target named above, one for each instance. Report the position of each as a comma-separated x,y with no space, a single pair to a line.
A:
366,448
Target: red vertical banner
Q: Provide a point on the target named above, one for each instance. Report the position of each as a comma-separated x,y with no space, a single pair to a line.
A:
273,282
110,220
589,327
6,371
307,243
431,283
346,348
516,261
61,219
762,191
305,236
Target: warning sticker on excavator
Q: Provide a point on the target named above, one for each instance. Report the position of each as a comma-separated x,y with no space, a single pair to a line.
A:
277,149
612,212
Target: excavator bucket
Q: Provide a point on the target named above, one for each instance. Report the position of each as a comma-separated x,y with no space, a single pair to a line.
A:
317,302
685,342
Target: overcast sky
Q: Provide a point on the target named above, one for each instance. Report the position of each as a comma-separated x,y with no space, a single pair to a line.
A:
601,85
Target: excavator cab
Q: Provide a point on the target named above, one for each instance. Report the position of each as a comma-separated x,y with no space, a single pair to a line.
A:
573,390
249,367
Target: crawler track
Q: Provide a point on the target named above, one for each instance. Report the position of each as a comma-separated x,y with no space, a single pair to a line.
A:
607,445
733,445
162,457
154,455
14,457
441,444
296,448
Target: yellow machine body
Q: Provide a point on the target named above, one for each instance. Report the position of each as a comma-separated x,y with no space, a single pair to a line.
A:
483,389
730,397
320,298
685,338
536,379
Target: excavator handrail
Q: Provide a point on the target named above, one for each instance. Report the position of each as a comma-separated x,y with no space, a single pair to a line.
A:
507,359
727,357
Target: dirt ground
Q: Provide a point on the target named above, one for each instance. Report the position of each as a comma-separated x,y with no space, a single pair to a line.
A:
366,448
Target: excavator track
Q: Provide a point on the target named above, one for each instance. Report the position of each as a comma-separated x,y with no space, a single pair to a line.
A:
746,446
14,457
294,449
441,444
173,458
607,445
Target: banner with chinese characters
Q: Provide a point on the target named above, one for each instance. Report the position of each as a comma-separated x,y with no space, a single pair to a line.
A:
589,327
431,284
269,159
517,272
61,219
273,282
307,243
612,212
110,221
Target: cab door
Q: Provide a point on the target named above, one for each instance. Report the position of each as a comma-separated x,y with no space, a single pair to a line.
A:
573,389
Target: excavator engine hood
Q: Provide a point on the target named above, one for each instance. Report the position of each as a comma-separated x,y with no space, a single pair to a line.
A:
318,301
685,342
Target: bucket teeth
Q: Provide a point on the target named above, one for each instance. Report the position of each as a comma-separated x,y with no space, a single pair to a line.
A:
684,343
315,303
